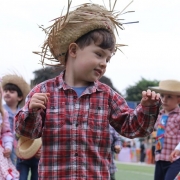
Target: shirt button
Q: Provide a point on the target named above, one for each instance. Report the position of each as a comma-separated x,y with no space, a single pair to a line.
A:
76,154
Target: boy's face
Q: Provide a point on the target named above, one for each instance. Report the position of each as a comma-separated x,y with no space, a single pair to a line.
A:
169,102
89,63
11,97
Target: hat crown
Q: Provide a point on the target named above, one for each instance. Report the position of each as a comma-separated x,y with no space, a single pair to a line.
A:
27,148
69,28
170,85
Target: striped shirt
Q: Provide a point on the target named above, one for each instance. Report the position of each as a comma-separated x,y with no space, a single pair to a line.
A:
75,130
171,135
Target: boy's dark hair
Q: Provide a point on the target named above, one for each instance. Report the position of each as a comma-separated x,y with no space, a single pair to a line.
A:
101,37
13,87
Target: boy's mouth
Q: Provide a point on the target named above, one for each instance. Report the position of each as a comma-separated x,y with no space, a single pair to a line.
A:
99,71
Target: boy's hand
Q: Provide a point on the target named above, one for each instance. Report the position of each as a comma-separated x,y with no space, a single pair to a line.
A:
39,100
7,153
149,98
117,149
174,154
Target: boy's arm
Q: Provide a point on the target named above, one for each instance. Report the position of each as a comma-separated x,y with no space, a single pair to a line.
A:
132,123
175,153
29,122
117,145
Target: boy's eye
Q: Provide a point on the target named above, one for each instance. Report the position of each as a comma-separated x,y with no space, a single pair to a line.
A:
108,60
99,54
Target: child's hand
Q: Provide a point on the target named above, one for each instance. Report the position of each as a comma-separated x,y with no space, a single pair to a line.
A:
7,153
117,149
174,154
39,100
149,98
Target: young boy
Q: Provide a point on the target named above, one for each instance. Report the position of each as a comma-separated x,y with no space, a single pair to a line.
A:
168,130
72,111
15,89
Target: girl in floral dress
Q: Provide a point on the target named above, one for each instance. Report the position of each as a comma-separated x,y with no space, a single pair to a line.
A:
7,169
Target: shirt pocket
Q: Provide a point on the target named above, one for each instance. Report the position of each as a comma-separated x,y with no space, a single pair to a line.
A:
98,123
55,116
172,127
98,117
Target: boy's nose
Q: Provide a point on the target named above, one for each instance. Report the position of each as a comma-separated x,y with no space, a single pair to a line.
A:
103,64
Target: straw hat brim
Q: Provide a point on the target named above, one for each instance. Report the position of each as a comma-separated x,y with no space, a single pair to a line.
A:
159,90
18,81
27,148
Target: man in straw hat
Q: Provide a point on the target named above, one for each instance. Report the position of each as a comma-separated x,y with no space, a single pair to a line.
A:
168,130
15,90
72,111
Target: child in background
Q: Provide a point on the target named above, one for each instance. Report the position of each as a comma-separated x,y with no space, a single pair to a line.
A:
72,111
115,148
7,169
168,130
15,90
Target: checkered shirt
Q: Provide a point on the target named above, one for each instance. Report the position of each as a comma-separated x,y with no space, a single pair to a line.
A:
172,134
75,131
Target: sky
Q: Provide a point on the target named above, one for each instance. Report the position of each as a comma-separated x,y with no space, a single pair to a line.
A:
152,50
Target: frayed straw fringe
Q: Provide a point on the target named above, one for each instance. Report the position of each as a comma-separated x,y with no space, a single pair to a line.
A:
84,13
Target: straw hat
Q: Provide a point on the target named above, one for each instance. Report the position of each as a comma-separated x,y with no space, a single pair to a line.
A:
68,28
168,87
18,81
27,148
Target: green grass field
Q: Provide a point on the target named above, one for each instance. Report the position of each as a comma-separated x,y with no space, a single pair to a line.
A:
134,171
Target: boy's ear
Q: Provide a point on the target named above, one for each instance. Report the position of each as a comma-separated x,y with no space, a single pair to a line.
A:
73,49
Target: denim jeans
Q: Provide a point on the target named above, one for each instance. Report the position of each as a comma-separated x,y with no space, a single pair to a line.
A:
24,166
13,157
165,170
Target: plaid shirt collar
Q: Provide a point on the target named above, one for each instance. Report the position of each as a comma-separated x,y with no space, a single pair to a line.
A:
95,86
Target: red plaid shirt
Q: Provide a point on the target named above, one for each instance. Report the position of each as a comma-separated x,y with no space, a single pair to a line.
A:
75,131
172,134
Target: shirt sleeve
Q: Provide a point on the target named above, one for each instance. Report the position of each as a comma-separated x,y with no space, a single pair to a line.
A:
178,147
29,122
129,122
6,134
